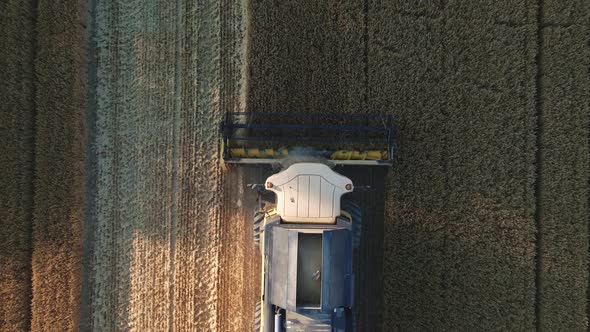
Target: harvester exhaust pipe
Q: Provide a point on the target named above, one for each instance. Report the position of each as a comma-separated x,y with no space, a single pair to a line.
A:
278,322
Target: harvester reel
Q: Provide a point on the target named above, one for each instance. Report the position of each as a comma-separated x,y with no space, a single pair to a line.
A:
329,138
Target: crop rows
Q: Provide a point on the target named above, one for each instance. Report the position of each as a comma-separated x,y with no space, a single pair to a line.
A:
405,78
198,191
460,231
565,165
490,59
43,135
59,166
306,57
16,160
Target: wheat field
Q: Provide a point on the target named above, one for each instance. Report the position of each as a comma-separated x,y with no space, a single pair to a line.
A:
118,214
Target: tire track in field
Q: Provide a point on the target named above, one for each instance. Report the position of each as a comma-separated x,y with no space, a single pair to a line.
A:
103,301
538,167
90,166
175,157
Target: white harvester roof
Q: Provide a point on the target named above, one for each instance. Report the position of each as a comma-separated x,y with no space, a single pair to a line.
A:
309,193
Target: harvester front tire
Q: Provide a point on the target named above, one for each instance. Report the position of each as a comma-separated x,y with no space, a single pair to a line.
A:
356,212
257,224
257,317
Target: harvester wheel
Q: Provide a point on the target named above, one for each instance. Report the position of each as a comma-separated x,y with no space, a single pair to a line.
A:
257,224
356,212
257,317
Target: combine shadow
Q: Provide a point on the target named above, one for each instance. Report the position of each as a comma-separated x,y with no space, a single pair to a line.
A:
368,267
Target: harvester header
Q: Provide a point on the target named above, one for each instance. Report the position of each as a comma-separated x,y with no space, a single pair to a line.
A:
343,139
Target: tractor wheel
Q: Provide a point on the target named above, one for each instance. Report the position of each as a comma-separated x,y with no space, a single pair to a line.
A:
257,224
257,317
356,213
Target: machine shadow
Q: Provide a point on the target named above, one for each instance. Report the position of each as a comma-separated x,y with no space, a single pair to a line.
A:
368,266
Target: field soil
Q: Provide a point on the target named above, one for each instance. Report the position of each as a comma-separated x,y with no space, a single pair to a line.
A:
118,214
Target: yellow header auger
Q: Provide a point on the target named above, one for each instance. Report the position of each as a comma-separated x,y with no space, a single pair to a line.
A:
257,138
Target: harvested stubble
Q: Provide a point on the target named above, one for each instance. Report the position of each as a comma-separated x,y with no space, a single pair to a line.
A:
157,202
59,166
134,140
199,194
565,166
16,163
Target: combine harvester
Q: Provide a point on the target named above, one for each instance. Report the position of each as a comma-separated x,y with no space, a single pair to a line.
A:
305,231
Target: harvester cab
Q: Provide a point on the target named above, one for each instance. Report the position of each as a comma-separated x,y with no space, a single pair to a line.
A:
309,229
